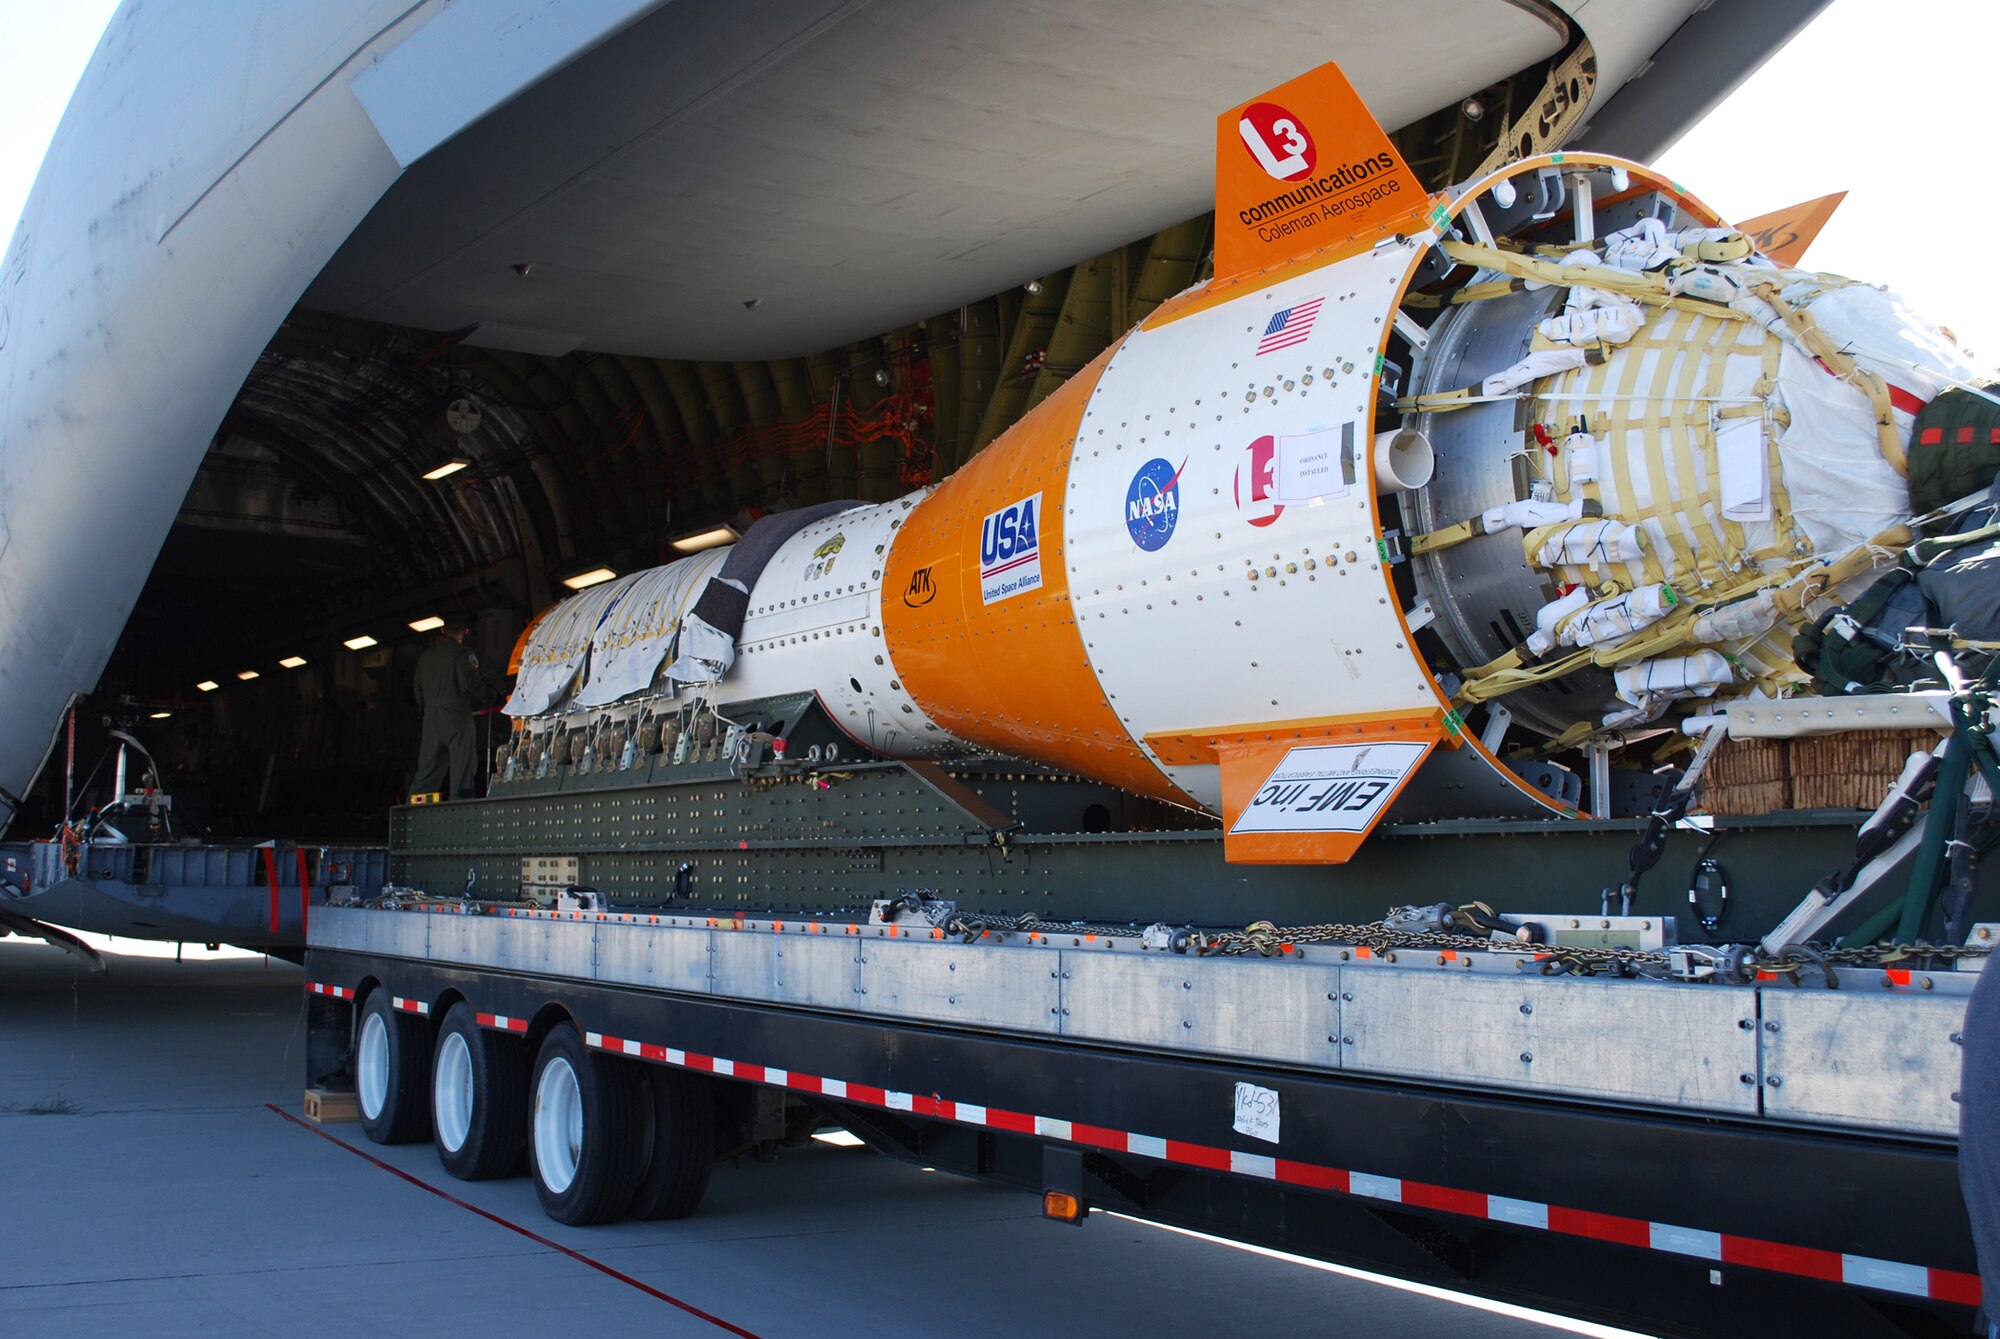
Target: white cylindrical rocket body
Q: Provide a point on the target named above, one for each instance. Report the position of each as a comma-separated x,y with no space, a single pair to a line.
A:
1181,575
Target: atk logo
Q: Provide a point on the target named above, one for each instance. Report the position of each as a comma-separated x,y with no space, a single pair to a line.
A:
1153,504
1274,137
1010,550
921,589
1256,484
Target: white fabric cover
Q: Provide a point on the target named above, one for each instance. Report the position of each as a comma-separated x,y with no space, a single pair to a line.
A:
1739,621
633,635
1527,514
1591,544
1548,619
1842,491
1600,322
1620,616
1697,675
1532,368
556,651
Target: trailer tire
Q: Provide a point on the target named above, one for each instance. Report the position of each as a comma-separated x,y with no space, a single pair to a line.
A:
392,1072
584,1138
681,1148
479,1098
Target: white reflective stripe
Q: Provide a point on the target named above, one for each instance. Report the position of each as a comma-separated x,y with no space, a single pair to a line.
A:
1686,1241
676,1057
1527,1213
725,1066
778,1076
969,1113
1051,1128
1146,1146
896,1101
1375,1187
833,1087
1254,1164
1869,1272
593,1039
634,1048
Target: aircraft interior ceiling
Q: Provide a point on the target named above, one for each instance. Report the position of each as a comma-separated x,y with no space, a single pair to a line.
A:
580,304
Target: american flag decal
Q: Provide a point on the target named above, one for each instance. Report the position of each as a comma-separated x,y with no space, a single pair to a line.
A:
1290,326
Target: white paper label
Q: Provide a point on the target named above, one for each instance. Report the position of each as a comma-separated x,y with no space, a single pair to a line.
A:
1330,788
1256,1112
1314,464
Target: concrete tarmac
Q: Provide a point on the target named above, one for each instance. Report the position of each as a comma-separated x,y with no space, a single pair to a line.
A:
146,1188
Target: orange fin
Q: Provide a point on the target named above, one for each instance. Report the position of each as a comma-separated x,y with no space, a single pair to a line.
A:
1784,234
1303,167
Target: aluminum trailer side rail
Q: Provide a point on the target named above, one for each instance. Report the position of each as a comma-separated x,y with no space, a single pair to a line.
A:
1684,1158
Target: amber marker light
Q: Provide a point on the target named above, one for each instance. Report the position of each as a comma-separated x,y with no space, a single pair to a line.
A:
1062,1206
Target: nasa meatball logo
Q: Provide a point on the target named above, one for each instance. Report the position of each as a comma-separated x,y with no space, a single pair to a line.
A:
1277,141
1153,504
1010,550
1256,483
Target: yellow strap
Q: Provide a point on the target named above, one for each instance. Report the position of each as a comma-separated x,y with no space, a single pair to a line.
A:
1443,538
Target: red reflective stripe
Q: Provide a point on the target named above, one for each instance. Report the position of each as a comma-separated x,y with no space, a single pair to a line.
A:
1468,1202
1608,1227
1808,1262
1198,1155
1015,1121
1965,437
271,868
1930,437
1313,1175
1802,1260
305,888
1904,400
1097,1136
1948,1285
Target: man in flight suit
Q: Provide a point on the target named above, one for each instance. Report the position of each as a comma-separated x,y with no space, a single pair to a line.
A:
447,684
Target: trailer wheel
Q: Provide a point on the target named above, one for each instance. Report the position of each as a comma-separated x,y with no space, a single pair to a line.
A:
682,1144
479,1098
584,1135
392,1066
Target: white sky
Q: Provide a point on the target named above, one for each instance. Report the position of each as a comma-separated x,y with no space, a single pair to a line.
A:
1891,100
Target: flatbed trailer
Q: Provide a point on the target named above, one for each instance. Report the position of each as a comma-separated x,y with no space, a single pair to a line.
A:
1544,1124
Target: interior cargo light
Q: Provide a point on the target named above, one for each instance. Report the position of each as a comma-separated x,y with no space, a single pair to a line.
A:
593,577
361,643
292,662
158,715
706,539
448,468
431,624
208,685
246,675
